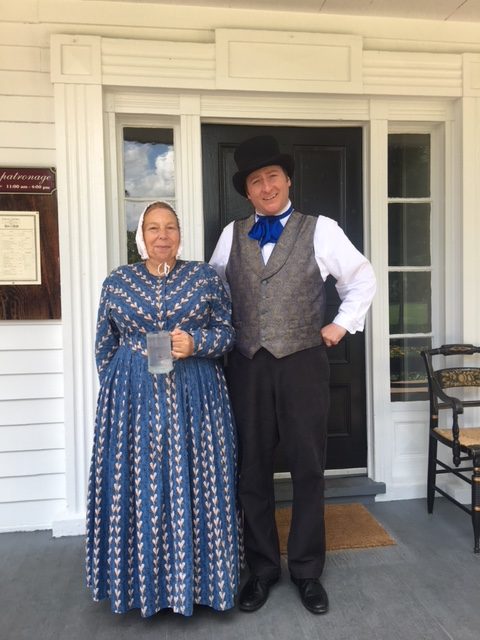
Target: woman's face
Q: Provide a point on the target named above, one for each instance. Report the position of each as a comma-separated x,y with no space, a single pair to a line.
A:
161,234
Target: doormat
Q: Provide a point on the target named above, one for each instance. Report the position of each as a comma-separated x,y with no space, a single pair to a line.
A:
348,526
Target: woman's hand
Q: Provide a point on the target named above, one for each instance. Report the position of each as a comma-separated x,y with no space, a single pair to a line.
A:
182,344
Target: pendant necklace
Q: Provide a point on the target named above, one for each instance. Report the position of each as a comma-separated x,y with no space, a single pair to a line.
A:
166,269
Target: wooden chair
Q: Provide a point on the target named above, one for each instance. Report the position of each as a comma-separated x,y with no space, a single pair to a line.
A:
462,439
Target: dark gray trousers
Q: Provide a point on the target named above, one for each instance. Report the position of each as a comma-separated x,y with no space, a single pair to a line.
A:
287,400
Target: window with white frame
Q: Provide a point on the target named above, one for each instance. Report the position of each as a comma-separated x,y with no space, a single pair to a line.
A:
409,262
148,175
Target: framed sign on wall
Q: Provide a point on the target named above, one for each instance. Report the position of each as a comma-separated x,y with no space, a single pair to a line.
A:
29,246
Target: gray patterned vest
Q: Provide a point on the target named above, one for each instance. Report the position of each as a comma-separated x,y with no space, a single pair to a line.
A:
281,305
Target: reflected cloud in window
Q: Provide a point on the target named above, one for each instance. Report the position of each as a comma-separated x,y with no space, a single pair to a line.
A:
149,175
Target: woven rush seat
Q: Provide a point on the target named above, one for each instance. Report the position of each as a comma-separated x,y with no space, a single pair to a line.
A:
467,437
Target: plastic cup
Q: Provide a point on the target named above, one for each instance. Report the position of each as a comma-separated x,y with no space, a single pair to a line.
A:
159,351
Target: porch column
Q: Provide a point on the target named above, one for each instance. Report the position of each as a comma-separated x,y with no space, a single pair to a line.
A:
471,197
75,64
190,183
380,435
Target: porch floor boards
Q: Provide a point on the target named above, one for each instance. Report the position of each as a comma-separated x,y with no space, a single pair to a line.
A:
426,587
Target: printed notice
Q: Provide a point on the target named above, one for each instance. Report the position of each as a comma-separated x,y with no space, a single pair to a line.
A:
20,247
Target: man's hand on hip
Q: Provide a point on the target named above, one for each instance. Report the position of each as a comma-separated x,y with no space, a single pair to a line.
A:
332,334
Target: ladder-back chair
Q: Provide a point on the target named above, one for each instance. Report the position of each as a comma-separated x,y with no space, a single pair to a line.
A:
462,438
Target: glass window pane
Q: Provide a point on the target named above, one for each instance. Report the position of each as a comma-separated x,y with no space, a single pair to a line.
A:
149,175
410,302
408,379
408,165
409,235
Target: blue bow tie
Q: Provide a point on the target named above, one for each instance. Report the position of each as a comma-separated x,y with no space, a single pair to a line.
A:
268,228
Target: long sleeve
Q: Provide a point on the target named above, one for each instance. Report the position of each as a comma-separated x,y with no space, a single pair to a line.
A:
221,254
218,336
107,337
356,282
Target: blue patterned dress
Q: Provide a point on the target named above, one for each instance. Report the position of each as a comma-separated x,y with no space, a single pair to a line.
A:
161,511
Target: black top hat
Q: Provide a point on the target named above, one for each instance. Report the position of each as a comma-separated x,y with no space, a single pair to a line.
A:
255,153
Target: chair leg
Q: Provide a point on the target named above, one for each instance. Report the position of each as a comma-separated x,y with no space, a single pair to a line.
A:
476,502
432,467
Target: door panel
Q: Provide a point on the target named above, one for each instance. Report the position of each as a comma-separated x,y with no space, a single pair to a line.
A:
327,181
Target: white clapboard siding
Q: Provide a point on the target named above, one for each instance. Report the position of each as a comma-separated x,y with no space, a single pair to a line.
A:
31,361
29,515
25,83
27,109
28,387
32,437
30,335
22,58
15,464
27,488
19,33
25,11
31,411
35,158
36,135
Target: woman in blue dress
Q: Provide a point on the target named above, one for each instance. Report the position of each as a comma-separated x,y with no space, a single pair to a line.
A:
161,512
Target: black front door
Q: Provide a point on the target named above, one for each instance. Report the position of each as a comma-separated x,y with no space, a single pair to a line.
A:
327,181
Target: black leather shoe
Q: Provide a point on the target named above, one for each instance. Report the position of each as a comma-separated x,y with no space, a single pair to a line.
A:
313,595
255,593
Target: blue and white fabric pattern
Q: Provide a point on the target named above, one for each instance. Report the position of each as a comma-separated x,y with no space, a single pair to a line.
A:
162,520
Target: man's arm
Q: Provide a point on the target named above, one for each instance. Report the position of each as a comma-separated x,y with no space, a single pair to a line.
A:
221,254
356,282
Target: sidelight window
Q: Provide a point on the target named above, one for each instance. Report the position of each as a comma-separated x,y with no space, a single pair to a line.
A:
149,175
409,262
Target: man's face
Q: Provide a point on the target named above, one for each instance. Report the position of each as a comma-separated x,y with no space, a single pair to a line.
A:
267,189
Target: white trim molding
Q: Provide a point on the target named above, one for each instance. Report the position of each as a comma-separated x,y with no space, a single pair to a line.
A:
83,252
283,61
303,62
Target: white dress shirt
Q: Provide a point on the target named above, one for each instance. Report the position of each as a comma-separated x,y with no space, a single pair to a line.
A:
335,256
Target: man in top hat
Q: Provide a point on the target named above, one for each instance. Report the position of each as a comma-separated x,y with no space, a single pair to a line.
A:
275,263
